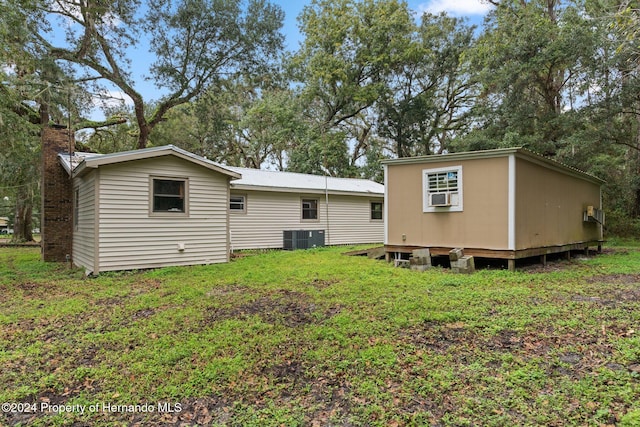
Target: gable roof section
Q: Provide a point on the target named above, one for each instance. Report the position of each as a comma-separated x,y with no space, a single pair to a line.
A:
79,163
245,178
519,152
267,180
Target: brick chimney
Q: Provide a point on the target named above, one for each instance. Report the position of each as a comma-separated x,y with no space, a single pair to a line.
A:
57,196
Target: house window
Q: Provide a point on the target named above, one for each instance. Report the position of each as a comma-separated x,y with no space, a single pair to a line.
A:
442,189
309,209
169,195
376,210
237,203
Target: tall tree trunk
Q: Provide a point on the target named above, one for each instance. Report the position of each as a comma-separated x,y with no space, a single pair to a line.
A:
22,223
143,137
636,156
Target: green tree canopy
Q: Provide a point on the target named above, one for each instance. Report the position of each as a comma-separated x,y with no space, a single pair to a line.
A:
193,42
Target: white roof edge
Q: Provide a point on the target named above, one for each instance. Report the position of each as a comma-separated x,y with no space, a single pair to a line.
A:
97,160
498,152
65,164
463,155
270,180
235,186
247,178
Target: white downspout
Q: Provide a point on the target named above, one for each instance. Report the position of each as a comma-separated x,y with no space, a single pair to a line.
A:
326,201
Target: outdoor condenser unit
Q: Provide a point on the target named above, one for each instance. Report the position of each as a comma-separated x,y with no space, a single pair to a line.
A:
302,239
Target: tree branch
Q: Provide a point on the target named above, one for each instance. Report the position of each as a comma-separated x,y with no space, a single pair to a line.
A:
21,109
90,124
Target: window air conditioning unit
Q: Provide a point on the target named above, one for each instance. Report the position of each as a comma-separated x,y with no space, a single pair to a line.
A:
593,214
439,199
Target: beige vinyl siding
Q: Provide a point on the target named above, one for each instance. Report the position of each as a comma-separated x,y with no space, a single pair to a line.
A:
132,238
350,220
84,234
268,214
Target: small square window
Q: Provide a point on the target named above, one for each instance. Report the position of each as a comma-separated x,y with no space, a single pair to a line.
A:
169,195
309,209
376,210
237,203
442,189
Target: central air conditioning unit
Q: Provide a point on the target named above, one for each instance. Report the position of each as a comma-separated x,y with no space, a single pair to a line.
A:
302,239
439,199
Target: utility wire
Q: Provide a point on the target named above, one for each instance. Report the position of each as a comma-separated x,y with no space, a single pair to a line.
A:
18,186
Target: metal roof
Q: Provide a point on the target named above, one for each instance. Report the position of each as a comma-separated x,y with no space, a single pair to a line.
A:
71,161
268,180
78,162
245,178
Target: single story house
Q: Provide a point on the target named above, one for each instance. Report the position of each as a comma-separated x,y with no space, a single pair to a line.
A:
505,203
264,204
148,208
164,206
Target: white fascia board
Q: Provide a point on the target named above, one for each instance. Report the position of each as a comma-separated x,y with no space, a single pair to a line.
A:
244,187
520,152
148,153
511,220
386,204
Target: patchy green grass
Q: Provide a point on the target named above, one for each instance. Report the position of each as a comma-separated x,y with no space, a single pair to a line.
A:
318,338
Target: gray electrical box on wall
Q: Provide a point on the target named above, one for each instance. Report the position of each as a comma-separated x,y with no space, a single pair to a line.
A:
302,239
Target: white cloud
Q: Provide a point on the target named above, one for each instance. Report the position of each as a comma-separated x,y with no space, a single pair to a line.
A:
456,7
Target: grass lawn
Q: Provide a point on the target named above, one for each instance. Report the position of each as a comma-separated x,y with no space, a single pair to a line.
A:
318,338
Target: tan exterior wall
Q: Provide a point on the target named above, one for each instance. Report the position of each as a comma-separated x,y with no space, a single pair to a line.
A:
85,190
268,213
131,238
483,223
550,206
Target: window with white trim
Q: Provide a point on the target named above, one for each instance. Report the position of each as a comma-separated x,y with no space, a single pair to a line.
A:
442,189
237,203
376,211
169,195
310,209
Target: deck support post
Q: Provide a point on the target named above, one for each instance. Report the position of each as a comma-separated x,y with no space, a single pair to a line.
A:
543,260
511,264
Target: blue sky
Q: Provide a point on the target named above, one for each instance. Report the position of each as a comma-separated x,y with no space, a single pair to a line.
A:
474,10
